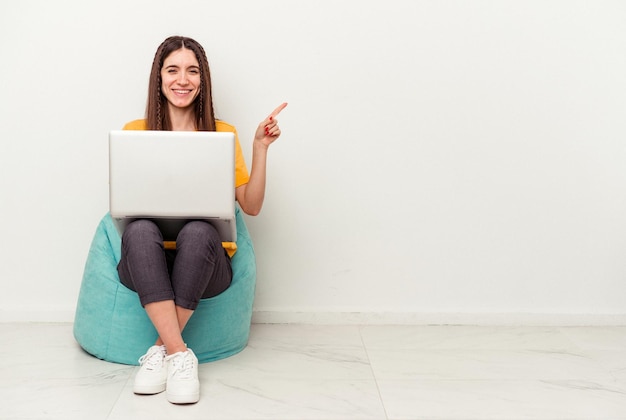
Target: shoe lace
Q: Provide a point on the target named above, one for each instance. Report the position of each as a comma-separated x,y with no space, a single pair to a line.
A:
182,365
153,360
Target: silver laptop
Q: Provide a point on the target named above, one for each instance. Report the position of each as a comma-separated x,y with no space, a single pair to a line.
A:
172,177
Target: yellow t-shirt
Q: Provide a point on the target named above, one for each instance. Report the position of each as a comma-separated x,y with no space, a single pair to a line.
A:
242,175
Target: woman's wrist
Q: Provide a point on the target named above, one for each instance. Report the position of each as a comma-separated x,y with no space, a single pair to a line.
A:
259,146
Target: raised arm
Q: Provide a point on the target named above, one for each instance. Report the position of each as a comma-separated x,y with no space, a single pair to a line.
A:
251,195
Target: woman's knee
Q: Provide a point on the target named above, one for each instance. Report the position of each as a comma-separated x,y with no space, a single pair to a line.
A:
200,233
141,230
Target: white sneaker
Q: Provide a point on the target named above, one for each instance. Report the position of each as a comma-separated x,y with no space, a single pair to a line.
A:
152,375
183,386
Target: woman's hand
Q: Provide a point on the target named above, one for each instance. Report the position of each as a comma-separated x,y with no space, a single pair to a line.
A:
268,131
251,195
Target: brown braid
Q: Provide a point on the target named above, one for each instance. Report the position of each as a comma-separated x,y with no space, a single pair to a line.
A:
157,114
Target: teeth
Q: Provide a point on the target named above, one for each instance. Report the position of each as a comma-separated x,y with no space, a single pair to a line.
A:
182,91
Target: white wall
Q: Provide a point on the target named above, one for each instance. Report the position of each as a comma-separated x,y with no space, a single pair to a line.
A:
441,160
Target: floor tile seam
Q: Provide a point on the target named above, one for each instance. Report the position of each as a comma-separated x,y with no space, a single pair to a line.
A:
437,378
477,342
123,389
355,359
34,379
491,356
458,379
299,347
581,346
536,349
506,417
569,338
291,379
614,389
322,368
367,355
477,349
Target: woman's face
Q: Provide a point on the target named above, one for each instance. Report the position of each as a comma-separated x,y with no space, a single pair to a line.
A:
180,78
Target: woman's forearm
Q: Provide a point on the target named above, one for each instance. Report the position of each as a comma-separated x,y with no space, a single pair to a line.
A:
252,194
254,191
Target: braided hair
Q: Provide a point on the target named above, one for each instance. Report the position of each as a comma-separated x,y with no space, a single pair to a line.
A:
157,107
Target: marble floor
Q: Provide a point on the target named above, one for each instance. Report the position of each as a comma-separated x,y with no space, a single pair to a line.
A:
299,372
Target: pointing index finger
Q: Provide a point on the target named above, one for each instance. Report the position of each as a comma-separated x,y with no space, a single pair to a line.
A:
277,110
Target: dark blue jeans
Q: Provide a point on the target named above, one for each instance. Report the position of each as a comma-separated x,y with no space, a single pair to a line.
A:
199,267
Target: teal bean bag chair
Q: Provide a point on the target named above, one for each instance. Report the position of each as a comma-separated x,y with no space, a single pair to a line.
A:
111,324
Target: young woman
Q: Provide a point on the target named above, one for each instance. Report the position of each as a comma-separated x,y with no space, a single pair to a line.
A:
170,284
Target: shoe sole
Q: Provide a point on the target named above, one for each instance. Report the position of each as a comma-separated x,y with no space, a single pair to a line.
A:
183,399
149,389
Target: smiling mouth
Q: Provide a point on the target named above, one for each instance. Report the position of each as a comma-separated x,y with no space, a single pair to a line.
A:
182,91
